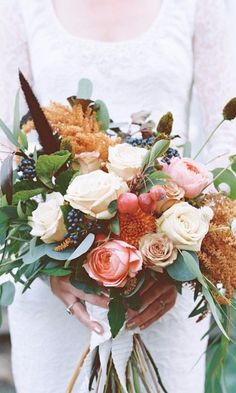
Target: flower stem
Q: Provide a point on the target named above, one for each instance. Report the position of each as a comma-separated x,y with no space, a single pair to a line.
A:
209,138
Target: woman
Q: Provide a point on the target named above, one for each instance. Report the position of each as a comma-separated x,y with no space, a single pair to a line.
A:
140,54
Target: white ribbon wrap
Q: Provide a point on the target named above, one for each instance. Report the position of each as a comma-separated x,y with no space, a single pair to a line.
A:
120,347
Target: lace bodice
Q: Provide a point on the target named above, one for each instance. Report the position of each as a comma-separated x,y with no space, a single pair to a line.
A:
184,45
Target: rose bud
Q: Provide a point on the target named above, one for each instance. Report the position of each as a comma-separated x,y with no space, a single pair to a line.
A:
157,193
146,203
128,203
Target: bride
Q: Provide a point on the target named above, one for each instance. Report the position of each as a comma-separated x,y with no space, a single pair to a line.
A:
140,54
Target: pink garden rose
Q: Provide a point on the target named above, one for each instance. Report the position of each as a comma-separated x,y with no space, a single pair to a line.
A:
192,176
113,262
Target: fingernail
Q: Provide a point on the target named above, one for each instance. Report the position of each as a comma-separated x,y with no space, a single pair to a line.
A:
131,325
98,329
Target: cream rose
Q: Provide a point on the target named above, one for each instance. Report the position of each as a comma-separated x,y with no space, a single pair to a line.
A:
158,251
47,220
125,160
87,162
186,225
93,192
174,194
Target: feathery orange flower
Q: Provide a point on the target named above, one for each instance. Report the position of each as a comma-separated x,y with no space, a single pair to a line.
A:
134,226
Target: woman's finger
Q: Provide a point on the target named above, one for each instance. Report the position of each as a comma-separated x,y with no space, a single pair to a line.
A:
79,311
97,300
150,312
154,293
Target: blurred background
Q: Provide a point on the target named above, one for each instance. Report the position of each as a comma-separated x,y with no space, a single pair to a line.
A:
6,379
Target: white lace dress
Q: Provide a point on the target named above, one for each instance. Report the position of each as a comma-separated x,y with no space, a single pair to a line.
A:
155,71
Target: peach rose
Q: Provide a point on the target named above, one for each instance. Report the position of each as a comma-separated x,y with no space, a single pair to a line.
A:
174,193
158,251
192,176
112,263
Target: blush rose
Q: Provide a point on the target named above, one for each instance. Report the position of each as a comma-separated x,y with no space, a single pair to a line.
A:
192,176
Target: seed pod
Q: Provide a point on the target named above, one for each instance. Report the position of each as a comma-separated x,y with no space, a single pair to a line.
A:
229,111
165,124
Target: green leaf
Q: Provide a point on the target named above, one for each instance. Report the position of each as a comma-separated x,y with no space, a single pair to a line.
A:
227,177
135,302
158,149
112,208
102,114
116,315
155,178
16,117
180,270
215,311
82,281
23,140
56,271
7,293
27,194
233,162
84,246
85,89
48,165
115,226
9,134
63,180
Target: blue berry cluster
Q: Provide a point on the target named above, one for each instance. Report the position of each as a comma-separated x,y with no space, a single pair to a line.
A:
80,225
141,142
26,168
170,153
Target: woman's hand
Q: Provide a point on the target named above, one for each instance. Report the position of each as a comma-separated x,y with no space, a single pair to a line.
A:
62,288
157,297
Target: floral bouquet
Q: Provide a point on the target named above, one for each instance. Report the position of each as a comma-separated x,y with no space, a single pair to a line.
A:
113,206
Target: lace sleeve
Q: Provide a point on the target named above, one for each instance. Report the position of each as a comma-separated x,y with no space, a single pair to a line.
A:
213,74
13,56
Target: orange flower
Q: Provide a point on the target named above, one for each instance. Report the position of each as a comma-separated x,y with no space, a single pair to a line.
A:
134,226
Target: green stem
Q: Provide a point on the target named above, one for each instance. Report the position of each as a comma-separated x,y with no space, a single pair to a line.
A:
209,138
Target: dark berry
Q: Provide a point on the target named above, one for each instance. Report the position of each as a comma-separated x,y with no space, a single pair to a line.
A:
170,153
26,169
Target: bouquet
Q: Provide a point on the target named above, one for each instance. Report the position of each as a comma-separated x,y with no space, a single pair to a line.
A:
112,206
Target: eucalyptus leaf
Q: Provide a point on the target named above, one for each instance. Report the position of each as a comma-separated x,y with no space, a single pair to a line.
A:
112,208
84,246
85,89
228,177
187,149
115,226
179,269
34,254
7,293
102,114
